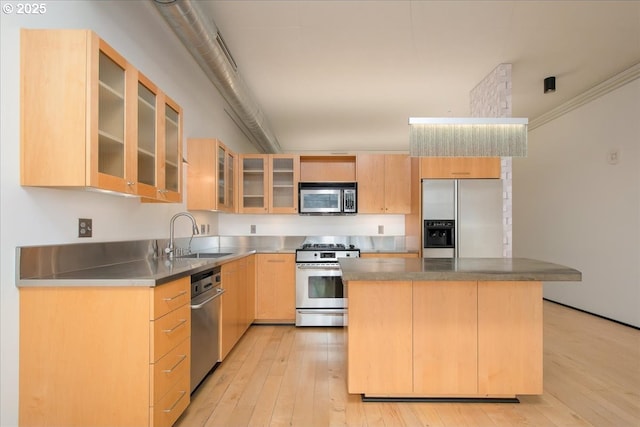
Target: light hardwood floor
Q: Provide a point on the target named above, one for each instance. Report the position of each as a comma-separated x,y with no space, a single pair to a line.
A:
287,376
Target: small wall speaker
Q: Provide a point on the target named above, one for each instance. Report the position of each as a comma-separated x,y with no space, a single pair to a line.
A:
549,84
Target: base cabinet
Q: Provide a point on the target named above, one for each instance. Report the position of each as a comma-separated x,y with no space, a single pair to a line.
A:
444,339
96,356
275,288
237,310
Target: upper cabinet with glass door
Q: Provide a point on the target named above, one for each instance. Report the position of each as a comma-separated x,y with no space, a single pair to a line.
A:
269,183
169,175
284,177
99,130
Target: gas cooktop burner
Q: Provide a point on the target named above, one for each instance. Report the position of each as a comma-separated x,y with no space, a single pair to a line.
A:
324,246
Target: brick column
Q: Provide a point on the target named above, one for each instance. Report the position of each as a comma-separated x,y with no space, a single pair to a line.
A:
492,98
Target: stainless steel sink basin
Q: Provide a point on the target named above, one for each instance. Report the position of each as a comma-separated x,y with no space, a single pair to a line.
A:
206,255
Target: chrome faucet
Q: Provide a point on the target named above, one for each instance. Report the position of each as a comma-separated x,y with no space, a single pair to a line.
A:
170,248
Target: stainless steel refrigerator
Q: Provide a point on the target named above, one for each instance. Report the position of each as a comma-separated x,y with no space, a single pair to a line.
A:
462,218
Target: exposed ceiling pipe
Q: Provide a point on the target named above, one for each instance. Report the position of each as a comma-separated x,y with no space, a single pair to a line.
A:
201,37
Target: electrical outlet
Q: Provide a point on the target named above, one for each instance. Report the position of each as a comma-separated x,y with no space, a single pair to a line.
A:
208,228
381,229
613,156
85,227
253,229
202,228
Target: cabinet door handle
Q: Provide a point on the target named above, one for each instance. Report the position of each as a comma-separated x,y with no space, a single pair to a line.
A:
182,358
130,183
182,393
180,323
174,297
276,260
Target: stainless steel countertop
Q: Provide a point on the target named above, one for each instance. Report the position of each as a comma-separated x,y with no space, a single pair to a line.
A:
144,272
452,269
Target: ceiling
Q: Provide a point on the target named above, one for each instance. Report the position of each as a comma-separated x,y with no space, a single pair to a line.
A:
345,76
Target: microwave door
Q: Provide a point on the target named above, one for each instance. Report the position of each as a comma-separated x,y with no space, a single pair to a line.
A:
321,201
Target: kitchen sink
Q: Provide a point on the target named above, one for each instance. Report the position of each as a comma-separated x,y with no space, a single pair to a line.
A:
206,255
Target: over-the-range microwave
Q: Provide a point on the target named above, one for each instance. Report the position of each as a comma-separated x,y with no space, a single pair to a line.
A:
327,198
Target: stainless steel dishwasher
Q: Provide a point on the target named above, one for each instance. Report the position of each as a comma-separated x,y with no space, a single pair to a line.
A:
206,289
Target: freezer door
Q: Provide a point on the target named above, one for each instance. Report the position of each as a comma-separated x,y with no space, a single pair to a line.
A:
480,231
438,199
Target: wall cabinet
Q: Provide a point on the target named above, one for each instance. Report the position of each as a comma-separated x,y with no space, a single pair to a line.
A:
275,288
495,348
211,183
108,127
269,183
328,168
384,183
460,167
104,356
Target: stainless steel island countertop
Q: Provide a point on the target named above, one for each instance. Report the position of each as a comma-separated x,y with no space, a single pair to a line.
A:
452,269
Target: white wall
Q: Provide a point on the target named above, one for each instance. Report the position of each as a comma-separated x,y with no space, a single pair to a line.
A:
572,207
296,225
35,216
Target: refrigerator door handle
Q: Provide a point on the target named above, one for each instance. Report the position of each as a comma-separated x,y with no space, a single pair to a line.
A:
456,249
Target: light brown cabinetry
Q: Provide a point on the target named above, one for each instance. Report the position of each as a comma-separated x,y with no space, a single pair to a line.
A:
107,127
464,339
384,183
269,183
275,288
211,183
104,356
460,167
236,311
328,168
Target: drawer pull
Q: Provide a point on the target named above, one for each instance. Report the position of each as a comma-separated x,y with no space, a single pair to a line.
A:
174,297
182,393
180,323
182,358
460,173
276,260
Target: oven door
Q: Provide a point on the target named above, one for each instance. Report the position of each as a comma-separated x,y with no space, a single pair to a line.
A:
319,285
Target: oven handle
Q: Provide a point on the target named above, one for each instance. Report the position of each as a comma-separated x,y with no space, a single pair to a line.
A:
318,267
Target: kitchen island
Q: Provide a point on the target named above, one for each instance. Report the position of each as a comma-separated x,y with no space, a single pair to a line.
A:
442,329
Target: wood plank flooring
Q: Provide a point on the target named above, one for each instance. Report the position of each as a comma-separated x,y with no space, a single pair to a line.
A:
287,376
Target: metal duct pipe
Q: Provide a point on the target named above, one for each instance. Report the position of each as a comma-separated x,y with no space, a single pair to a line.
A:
200,36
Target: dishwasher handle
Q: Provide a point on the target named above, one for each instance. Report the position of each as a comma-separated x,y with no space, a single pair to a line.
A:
219,291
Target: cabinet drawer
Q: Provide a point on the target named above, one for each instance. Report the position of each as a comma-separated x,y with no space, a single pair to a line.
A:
169,331
170,296
167,371
169,408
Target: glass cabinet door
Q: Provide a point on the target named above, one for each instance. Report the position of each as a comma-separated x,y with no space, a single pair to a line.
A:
230,198
254,184
173,153
111,117
220,164
284,183
147,136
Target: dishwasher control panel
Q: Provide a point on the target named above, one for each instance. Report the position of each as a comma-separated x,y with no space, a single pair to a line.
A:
204,281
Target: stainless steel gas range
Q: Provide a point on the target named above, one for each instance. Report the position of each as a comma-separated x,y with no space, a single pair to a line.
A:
320,297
